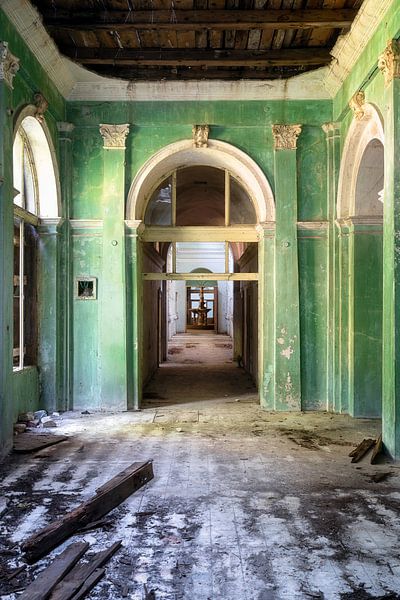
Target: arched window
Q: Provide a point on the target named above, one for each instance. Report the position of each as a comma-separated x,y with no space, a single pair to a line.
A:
35,196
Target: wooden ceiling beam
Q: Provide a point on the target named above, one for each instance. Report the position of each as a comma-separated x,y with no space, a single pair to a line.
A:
199,74
175,20
198,57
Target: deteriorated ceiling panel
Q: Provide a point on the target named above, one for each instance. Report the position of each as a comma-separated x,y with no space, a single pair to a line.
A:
147,40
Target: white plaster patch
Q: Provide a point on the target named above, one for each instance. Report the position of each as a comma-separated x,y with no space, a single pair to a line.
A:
280,341
32,522
287,352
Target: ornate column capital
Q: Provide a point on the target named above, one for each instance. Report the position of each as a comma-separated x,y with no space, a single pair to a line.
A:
114,136
389,61
9,65
285,136
200,135
331,129
357,105
41,106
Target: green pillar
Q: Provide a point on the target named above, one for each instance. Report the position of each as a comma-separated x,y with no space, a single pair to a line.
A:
332,132
132,286
112,287
266,285
389,63
343,302
287,322
9,65
64,280
47,313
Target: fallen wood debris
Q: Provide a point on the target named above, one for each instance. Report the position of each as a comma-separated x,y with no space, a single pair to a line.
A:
361,450
76,578
46,581
89,584
107,497
377,450
30,442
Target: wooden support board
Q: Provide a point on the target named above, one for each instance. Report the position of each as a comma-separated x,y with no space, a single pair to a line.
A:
107,497
377,450
46,581
76,578
30,442
361,450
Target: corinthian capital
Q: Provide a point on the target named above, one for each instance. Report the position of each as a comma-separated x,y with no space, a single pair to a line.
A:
389,61
285,136
9,64
357,105
114,136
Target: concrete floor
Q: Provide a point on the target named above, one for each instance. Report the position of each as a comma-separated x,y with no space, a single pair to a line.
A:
245,504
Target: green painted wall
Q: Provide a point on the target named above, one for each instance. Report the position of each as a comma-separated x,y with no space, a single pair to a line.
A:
25,391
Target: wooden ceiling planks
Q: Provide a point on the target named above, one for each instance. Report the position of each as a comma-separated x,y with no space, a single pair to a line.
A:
198,39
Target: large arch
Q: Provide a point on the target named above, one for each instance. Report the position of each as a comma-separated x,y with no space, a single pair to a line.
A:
219,155
360,219
44,154
361,133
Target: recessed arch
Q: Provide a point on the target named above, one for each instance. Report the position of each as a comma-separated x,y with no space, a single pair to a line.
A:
219,155
44,156
362,135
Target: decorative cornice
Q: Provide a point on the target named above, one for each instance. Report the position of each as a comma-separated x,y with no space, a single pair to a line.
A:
200,135
28,23
357,105
41,105
114,136
349,47
285,136
389,61
9,64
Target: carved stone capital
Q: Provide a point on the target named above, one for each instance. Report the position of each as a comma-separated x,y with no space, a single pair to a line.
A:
200,135
9,64
41,106
114,136
357,105
285,136
389,61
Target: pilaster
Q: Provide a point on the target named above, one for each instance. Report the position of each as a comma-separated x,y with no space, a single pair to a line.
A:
133,285
64,280
332,132
9,65
287,318
112,287
389,64
266,316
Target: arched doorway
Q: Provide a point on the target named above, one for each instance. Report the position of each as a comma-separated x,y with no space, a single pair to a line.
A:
361,210
196,196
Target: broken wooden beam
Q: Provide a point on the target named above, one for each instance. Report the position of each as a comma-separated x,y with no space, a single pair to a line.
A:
46,581
107,497
76,578
361,450
30,442
377,450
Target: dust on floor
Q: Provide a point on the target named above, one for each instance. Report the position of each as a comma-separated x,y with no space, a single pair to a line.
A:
245,504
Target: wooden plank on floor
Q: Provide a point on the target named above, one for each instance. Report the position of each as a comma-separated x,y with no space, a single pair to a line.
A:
75,579
361,450
30,442
106,498
47,580
89,584
377,450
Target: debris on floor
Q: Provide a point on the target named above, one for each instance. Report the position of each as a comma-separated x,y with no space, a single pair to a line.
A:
107,497
31,442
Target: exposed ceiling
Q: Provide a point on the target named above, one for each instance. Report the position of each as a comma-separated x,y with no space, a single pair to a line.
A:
150,40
